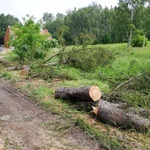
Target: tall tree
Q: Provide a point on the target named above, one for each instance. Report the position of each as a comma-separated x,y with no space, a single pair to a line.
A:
29,43
52,23
48,17
146,21
128,15
6,21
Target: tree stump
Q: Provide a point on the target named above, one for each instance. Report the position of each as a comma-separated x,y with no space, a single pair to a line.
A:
86,94
25,71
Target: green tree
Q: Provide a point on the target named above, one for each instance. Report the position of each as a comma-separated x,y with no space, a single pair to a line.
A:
62,34
28,42
48,17
6,21
52,23
146,21
84,21
129,15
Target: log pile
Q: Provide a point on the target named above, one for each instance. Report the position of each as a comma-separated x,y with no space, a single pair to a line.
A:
109,113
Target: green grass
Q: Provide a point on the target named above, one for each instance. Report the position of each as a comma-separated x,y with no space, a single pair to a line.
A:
128,63
6,75
132,63
85,82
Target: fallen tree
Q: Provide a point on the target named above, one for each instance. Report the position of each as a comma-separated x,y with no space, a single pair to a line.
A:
118,115
89,93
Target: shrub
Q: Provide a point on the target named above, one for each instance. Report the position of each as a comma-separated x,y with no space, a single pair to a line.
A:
138,41
50,43
28,42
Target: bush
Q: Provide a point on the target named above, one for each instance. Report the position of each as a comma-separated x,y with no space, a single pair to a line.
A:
138,40
50,44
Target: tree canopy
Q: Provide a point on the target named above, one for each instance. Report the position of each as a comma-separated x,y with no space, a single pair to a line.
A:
101,25
6,21
29,43
106,25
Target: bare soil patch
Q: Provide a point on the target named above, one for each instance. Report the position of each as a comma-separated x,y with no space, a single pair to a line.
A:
26,126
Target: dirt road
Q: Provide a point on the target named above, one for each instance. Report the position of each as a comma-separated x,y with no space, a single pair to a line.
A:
25,126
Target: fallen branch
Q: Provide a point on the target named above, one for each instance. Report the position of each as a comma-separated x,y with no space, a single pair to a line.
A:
122,84
73,51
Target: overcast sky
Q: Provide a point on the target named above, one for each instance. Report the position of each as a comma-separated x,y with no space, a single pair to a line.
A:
19,8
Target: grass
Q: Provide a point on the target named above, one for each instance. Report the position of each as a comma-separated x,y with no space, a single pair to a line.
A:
128,62
85,82
126,66
6,75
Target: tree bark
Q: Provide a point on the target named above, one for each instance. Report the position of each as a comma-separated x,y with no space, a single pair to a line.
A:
89,93
115,114
144,39
129,38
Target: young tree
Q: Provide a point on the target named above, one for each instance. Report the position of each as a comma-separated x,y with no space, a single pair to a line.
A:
28,42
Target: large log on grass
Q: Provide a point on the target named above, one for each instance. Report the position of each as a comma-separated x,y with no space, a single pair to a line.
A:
89,93
114,114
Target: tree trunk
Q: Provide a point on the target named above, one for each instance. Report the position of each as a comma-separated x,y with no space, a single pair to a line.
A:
144,39
114,114
129,38
89,93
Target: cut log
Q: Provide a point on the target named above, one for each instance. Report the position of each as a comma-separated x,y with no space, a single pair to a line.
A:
112,114
25,71
89,93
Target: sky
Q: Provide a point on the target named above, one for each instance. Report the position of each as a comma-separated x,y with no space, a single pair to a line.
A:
19,8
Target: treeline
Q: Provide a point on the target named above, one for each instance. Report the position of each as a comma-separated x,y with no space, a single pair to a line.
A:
96,25
5,21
